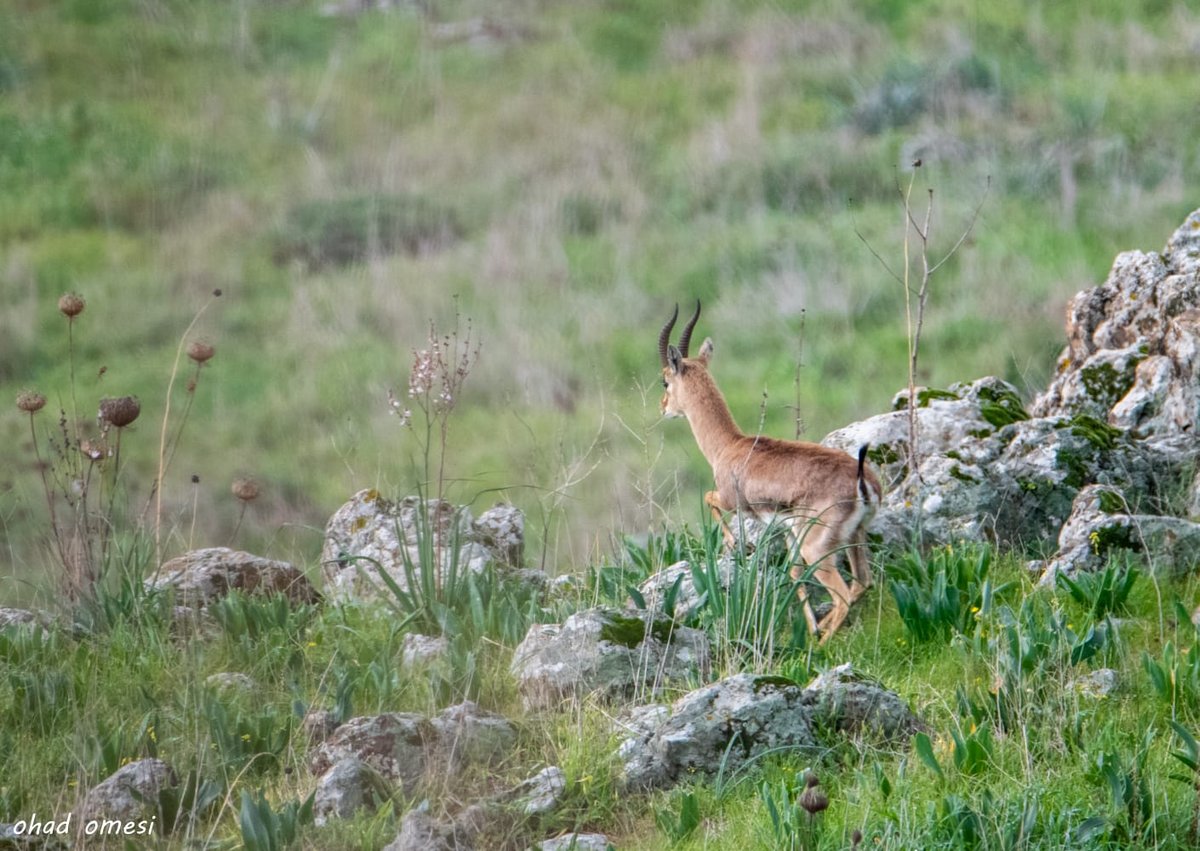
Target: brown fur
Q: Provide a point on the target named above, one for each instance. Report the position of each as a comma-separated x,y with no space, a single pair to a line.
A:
815,490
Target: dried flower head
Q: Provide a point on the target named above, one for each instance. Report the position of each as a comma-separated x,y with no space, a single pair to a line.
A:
812,799
245,489
93,450
200,351
856,838
121,411
30,401
195,478
71,305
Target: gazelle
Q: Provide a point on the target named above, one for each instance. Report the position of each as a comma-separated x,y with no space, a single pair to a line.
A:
822,495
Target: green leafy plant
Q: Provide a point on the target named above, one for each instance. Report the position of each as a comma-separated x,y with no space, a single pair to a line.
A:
264,828
241,737
1175,676
942,593
1102,593
679,824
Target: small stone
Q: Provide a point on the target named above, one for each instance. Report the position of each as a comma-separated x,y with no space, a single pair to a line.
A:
1098,684
423,649
349,786
577,842
115,798
232,682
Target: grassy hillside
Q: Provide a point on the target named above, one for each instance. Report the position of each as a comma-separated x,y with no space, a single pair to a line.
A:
561,174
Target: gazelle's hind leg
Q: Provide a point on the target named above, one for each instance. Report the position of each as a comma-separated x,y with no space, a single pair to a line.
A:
713,501
818,547
860,564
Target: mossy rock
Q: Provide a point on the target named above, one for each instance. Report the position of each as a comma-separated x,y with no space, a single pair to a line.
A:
1105,383
631,631
1001,407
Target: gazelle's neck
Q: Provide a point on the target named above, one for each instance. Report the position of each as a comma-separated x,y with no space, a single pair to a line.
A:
712,423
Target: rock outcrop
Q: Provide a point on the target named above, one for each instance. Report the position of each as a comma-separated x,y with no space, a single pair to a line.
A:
608,653
1120,412
369,534
204,576
726,724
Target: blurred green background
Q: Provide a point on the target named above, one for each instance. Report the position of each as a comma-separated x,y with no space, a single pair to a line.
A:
561,174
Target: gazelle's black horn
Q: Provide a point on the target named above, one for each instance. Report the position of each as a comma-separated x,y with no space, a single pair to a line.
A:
664,337
685,338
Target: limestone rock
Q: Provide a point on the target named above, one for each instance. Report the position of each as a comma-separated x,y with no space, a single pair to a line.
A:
423,649
1133,351
204,576
370,533
468,734
856,705
115,798
1098,684
19,617
502,530
541,793
605,652
318,724
394,744
348,786
723,724
577,842
419,831
231,682
1101,523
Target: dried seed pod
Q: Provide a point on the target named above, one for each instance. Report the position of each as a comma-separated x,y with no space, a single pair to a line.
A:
200,351
856,838
71,305
245,489
121,411
812,799
30,401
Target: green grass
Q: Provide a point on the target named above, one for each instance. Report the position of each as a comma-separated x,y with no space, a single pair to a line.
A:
1054,762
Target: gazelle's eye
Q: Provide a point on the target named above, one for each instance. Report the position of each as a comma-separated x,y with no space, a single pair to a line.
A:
665,385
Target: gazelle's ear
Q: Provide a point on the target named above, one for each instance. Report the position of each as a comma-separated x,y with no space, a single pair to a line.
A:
674,358
706,351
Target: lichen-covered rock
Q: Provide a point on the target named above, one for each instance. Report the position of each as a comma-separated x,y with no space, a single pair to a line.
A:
131,793
370,533
468,734
1098,684
502,530
958,420
1101,524
394,744
606,652
1133,351
349,786
721,725
856,705
204,576
419,831
318,725
541,793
